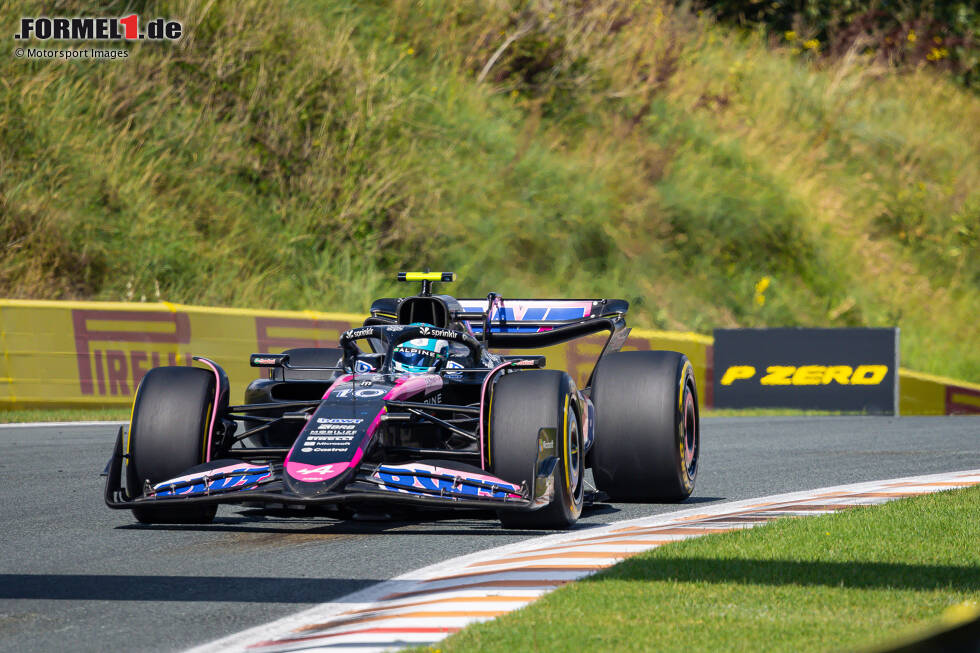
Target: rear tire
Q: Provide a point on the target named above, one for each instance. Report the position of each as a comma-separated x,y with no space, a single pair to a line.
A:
168,435
523,403
647,426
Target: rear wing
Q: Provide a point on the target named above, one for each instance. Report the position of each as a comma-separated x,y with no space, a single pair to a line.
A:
535,315
530,323
508,324
526,323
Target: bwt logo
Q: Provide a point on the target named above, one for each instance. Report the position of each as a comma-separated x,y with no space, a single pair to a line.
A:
97,29
104,346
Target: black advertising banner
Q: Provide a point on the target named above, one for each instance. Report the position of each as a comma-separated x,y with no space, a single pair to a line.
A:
853,370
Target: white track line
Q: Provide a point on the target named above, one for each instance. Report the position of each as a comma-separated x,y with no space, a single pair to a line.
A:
426,605
14,425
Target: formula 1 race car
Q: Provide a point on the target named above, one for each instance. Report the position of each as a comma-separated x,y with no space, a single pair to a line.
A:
414,408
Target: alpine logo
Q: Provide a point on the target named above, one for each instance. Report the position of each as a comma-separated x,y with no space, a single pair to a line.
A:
318,471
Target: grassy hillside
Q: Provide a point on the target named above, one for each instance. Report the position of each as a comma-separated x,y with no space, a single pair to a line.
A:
295,155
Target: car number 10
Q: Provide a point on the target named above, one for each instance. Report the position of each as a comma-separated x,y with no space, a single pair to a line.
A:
363,393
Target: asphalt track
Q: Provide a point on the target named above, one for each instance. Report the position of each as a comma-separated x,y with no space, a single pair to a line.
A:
77,576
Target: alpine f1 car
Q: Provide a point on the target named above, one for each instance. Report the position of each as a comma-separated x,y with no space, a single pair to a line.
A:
415,408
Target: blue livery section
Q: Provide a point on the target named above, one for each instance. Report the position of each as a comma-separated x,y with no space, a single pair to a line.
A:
225,480
527,310
426,480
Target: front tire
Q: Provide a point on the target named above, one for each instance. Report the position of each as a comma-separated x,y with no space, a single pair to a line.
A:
168,434
523,403
647,426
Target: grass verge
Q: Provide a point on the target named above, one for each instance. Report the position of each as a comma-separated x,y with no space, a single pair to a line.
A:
64,415
835,582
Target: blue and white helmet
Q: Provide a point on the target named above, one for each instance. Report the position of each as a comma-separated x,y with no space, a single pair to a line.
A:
420,356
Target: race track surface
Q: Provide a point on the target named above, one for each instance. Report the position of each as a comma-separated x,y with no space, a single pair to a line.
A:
77,576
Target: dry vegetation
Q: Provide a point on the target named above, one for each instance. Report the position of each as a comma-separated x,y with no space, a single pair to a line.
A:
294,155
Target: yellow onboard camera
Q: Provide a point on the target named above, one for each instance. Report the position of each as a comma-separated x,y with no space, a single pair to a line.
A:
427,278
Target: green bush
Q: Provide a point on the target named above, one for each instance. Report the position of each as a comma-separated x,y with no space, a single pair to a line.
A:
942,34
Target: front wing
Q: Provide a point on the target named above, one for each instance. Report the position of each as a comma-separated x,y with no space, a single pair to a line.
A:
237,481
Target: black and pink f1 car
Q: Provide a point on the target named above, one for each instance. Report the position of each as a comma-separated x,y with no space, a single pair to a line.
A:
414,408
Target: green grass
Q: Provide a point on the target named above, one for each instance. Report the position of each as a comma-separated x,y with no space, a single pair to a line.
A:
836,582
64,415
294,155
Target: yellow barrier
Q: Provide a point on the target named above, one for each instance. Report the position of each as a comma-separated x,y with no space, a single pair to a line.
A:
95,353
927,394
70,354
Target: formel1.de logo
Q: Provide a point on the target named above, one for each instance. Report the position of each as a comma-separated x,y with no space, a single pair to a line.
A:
127,28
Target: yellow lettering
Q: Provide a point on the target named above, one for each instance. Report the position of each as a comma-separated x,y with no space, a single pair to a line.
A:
736,372
839,373
809,375
869,374
778,375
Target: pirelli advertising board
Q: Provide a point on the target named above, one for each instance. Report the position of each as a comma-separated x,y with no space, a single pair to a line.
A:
79,354
850,370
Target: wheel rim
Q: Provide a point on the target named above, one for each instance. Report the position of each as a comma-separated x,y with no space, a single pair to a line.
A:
573,447
691,434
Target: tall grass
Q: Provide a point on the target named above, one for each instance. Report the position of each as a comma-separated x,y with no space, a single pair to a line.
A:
295,155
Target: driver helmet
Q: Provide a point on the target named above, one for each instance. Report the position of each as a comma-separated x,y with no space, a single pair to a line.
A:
421,355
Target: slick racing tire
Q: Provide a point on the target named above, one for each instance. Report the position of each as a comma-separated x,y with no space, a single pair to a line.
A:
168,434
647,426
522,403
